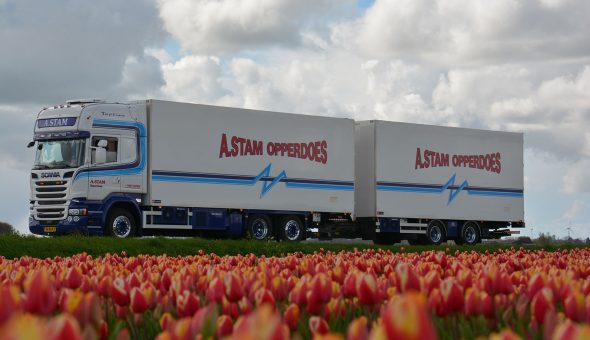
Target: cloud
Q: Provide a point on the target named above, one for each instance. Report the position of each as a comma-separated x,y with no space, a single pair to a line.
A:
193,79
478,32
205,27
64,49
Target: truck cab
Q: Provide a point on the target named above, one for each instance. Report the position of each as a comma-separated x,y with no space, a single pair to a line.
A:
89,166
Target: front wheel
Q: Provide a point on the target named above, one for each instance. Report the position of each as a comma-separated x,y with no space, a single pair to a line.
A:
260,227
120,223
292,229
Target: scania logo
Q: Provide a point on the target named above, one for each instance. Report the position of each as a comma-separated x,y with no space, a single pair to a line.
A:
49,174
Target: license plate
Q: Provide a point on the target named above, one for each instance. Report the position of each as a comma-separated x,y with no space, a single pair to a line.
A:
50,229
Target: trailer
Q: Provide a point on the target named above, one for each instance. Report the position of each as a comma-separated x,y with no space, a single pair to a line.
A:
153,167
429,183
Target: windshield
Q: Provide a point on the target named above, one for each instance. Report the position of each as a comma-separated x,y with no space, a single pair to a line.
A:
60,154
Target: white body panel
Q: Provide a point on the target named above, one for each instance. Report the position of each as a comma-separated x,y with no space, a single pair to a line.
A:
189,165
399,175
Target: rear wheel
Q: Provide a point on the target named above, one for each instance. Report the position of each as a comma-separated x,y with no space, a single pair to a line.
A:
435,233
470,233
120,223
260,227
292,229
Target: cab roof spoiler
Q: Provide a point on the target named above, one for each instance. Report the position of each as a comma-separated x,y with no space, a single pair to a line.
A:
84,101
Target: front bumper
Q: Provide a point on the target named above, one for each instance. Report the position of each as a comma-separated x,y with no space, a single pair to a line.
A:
70,225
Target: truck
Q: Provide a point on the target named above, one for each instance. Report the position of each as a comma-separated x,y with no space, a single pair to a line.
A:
157,167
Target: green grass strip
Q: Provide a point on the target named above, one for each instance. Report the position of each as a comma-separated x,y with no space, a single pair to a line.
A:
13,246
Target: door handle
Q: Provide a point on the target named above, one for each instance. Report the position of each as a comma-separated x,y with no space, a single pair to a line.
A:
117,179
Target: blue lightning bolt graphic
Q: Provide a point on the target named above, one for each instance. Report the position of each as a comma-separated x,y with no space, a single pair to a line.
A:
453,192
266,186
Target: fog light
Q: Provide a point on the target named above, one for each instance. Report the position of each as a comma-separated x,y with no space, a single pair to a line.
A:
69,218
76,218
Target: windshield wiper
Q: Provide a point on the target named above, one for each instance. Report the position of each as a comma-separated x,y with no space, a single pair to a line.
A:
41,166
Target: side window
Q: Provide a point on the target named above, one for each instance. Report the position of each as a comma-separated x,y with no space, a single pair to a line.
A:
111,148
128,149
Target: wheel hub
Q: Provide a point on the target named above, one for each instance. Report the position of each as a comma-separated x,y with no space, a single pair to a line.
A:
259,229
121,226
435,234
292,230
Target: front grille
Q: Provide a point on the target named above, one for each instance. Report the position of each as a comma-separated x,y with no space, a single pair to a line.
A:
51,203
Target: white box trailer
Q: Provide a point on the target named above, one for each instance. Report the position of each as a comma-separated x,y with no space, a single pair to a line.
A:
410,177
211,157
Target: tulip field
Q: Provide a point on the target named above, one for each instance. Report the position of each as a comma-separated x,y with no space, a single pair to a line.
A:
358,294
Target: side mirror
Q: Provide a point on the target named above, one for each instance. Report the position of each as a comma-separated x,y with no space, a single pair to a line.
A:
31,144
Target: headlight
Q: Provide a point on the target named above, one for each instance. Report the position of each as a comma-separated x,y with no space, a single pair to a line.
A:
76,212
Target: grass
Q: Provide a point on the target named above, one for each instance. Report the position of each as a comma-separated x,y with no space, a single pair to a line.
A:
12,246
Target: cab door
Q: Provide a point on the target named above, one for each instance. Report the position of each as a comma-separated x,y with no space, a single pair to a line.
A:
131,181
104,178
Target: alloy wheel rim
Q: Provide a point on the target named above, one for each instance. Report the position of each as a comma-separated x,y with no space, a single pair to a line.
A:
435,234
121,226
260,229
292,230
470,234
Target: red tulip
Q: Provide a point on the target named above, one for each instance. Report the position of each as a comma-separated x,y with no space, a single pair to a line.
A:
405,317
119,292
407,278
234,289
349,285
187,304
366,289
216,290
73,278
166,321
40,295
224,326
452,295
9,301
318,325
139,301
574,307
357,330
291,316
64,326
541,304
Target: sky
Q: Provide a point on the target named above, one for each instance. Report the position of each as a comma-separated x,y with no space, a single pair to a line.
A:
513,65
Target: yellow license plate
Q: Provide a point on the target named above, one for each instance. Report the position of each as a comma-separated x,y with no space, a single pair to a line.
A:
50,229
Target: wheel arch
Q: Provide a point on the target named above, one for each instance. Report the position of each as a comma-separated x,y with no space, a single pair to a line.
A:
125,203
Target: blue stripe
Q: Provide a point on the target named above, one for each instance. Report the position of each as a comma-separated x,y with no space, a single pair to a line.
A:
407,189
495,193
264,176
202,180
319,186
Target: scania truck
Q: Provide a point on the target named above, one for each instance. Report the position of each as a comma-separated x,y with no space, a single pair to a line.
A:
153,167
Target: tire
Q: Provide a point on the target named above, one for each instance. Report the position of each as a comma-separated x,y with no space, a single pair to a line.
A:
260,227
435,233
470,233
292,229
121,224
